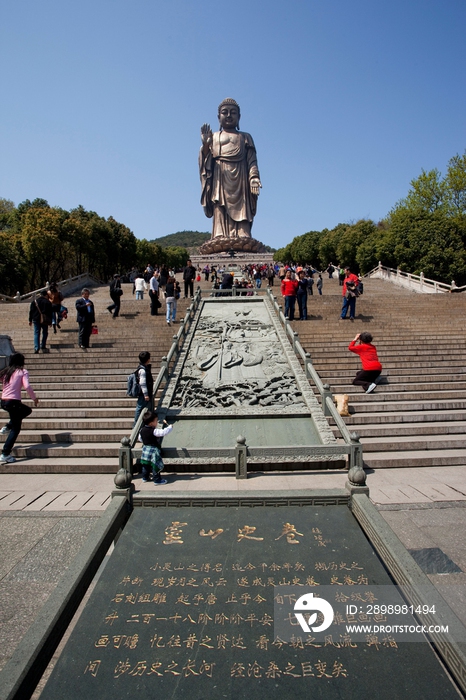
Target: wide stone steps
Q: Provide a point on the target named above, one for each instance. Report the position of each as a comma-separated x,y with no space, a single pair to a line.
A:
442,377
66,403
417,414
397,418
394,388
376,404
111,395
84,412
418,442
395,430
416,417
68,449
62,465
416,458
74,435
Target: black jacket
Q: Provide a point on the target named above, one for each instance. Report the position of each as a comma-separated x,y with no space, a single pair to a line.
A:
148,437
83,315
45,307
189,273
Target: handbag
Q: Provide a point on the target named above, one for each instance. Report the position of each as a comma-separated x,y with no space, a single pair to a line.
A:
94,330
351,290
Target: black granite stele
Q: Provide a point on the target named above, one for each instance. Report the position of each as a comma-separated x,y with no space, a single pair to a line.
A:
184,609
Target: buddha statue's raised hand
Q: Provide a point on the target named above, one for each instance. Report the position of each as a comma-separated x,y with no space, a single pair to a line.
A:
206,136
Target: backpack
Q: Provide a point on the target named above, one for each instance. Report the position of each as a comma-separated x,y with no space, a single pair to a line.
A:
132,385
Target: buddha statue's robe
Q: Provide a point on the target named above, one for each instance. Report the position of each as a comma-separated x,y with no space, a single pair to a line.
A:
226,172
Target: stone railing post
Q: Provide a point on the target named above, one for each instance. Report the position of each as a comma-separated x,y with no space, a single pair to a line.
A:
355,456
307,362
241,464
326,392
356,475
164,366
125,457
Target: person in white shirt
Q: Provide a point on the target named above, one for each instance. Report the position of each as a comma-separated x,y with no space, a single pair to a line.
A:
154,294
139,286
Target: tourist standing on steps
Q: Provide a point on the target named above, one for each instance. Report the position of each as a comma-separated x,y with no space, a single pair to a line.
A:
350,292
154,294
116,293
227,281
172,294
146,383
40,315
151,437
371,368
85,317
320,284
303,285
289,288
14,378
189,274
139,286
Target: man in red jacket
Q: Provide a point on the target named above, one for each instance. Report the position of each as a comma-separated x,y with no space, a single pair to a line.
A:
350,284
289,290
371,368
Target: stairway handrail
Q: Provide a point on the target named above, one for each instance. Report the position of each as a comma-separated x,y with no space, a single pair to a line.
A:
328,406
172,355
419,280
61,285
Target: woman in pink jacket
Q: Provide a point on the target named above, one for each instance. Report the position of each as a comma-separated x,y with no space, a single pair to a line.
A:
14,378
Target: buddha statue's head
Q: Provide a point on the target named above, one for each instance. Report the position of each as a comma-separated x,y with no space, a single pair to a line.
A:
229,114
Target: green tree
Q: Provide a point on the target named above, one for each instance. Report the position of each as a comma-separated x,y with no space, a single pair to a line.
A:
176,257
305,248
350,240
12,264
43,245
283,254
328,248
428,192
455,181
428,242
376,247
6,210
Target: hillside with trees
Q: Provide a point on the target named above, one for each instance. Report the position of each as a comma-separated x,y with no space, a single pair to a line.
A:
424,232
40,243
191,240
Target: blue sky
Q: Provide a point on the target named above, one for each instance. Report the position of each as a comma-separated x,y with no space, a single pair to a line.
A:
347,101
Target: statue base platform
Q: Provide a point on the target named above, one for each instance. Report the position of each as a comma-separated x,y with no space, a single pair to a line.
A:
222,244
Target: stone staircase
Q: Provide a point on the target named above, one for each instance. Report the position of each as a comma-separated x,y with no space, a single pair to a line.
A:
415,418
83,411
417,415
